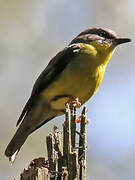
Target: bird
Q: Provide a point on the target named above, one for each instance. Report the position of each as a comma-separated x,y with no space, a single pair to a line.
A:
75,72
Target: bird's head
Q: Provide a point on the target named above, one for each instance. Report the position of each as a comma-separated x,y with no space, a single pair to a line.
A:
100,38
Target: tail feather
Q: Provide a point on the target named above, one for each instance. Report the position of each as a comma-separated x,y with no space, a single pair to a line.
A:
13,157
15,145
40,114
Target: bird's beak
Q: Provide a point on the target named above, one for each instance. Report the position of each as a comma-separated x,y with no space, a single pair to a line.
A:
122,40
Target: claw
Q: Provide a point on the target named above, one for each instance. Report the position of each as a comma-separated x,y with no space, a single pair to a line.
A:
74,102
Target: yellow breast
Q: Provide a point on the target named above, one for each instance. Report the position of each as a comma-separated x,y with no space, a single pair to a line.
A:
81,78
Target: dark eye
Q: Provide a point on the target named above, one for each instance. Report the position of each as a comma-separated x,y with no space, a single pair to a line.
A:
104,34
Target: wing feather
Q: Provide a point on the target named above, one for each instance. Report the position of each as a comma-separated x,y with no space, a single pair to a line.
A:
50,73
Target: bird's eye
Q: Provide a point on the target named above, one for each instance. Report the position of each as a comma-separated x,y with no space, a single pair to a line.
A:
104,34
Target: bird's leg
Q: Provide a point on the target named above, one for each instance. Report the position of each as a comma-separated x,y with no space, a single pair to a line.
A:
73,101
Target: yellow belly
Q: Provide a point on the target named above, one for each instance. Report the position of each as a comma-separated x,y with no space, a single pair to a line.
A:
79,79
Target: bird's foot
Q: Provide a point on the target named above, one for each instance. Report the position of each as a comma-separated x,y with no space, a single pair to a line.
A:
74,102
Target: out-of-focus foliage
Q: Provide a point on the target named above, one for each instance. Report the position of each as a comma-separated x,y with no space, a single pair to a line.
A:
33,31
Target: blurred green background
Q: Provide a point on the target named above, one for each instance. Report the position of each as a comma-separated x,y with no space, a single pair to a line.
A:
33,31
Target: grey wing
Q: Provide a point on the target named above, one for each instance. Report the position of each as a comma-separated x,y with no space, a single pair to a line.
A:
50,73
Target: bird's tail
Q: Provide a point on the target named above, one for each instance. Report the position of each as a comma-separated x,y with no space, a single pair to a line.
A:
39,114
15,144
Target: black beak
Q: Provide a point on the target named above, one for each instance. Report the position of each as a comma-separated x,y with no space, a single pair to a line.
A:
122,40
